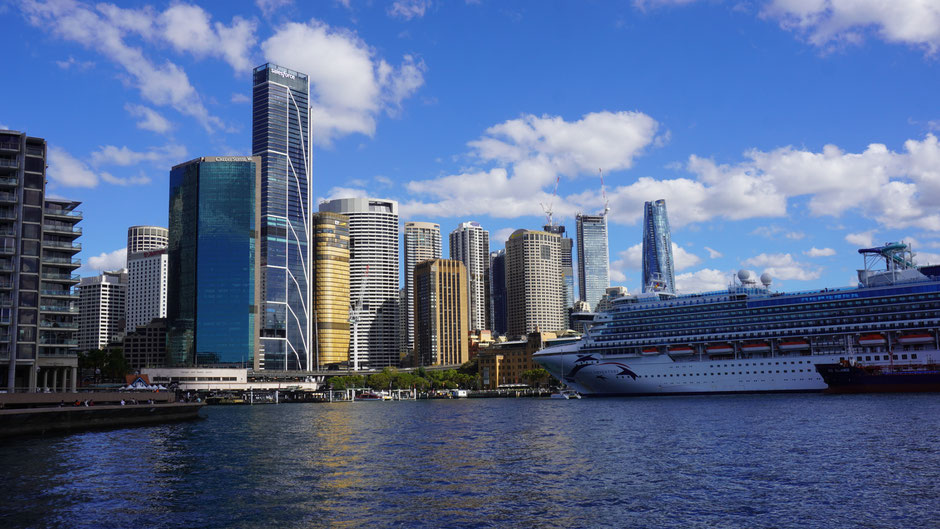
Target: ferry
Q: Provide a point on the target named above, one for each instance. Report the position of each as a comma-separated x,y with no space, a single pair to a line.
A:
750,339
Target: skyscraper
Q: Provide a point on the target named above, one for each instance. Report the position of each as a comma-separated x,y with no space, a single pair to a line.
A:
470,244
658,271
498,310
146,275
422,241
101,303
593,258
280,135
373,274
331,288
441,313
213,291
533,282
37,248
567,269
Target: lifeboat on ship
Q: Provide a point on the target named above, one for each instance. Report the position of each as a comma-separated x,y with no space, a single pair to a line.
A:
871,339
719,349
650,351
681,350
915,338
757,347
794,345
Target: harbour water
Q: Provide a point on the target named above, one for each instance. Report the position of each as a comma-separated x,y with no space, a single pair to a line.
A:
774,461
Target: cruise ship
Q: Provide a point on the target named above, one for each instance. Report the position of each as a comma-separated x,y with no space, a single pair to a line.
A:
750,339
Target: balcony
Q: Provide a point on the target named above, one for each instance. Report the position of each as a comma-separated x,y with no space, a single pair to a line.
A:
9,181
10,146
9,162
55,276
7,250
7,198
64,325
65,245
6,266
56,340
67,309
59,212
33,150
63,227
8,214
59,294
5,337
61,261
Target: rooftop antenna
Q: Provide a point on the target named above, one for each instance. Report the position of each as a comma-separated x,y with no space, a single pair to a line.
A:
604,194
548,210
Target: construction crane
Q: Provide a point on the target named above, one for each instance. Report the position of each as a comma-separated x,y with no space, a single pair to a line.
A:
355,316
548,210
604,193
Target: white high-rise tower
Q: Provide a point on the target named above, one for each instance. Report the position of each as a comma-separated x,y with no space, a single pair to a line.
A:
470,244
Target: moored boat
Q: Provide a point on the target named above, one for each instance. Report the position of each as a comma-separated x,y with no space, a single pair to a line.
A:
846,378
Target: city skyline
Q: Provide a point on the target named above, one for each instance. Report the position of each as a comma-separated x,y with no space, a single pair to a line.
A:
778,164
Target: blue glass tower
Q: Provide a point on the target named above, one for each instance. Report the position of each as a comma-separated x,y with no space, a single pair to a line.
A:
593,258
213,286
658,270
280,135
498,299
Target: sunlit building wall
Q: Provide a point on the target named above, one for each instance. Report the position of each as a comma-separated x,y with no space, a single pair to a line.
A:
593,258
441,313
331,287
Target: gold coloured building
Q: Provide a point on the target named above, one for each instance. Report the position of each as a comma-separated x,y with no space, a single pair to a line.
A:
442,313
331,287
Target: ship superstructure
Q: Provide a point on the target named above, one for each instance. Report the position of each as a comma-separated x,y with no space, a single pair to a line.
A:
749,338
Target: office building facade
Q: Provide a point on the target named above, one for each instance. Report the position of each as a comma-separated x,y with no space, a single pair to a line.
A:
145,347
331,288
373,278
38,243
281,137
146,238
441,313
101,303
422,242
534,283
213,255
567,269
146,275
658,269
470,244
498,309
593,258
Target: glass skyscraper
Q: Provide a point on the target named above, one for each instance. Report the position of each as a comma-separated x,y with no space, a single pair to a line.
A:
567,270
658,270
281,137
498,310
593,258
213,287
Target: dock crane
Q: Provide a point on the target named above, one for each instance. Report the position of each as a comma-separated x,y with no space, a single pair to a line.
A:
548,210
355,316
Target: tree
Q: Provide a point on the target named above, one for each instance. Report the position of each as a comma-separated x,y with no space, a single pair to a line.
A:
535,377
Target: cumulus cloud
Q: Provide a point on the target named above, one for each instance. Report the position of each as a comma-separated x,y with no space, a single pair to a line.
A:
68,171
819,252
240,98
705,280
500,236
345,192
828,23
864,239
783,266
107,29
349,85
408,9
270,6
151,119
529,153
166,155
72,62
712,253
772,232
109,260
632,259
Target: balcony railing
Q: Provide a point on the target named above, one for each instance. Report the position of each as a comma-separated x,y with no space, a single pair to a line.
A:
58,308
59,293
8,197
9,146
63,244
7,162
34,151
63,212
61,227
8,181
57,277
6,267
7,214
64,325
62,261
54,340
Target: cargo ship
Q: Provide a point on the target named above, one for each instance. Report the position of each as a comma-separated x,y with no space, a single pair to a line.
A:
750,339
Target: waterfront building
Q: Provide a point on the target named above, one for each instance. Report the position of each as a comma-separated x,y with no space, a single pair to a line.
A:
373,278
146,238
422,241
567,269
470,244
658,269
331,288
502,364
593,258
498,309
441,313
37,264
101,304
213,258
281,138
534,282
146,346
146,275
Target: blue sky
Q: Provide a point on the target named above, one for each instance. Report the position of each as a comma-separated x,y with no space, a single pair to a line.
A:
783,134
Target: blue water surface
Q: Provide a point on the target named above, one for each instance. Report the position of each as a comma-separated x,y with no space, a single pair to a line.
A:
756,461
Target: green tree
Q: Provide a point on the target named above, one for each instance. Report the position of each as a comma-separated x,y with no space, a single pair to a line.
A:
535,377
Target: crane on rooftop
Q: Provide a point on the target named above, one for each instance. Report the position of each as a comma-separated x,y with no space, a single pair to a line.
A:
548,210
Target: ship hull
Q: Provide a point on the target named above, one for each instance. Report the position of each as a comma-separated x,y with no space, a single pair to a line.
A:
850,379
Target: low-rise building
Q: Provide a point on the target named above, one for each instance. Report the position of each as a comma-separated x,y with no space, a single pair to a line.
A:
146,346
502,364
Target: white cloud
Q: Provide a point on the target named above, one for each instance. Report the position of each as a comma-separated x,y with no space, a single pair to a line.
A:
632,259
925,258
349,86
772,232
166,155
72,62
705,280
864,239
270,6
66,170
408,9
238,97
819,252
828,23
645,4
152,120
106,29
4,127
141,179
344,192
713,254
532,151
500,236
109,260
783,266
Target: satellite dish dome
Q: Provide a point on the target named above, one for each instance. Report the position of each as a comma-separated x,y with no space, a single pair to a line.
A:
744,275
766,279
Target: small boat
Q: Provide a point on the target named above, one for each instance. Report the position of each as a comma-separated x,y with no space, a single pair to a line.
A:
917,337
681,350
369,396
566,394
650,351
871,339
794,345
758,347
719,349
